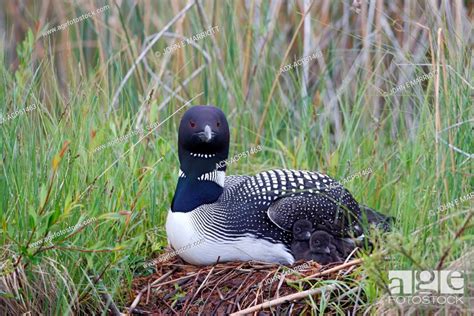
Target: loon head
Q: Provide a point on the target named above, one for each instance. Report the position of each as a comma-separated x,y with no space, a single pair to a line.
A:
203,140
320,242
302,230
203,144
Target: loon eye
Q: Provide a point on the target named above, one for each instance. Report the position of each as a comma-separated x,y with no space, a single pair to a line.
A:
192,124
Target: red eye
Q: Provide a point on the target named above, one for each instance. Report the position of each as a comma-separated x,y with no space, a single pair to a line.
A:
193,125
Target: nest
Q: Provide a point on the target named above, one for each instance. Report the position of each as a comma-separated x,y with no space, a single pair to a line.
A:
178,288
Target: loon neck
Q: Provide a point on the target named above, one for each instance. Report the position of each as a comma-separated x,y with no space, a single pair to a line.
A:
201,179
192,191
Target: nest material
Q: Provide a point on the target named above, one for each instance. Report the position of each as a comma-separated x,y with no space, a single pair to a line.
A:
178,288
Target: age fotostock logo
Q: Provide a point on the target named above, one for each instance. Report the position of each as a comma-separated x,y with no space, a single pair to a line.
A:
434,287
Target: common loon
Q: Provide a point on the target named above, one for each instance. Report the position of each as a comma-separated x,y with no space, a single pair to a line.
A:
242,218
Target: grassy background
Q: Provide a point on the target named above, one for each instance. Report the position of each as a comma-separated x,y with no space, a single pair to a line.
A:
330,114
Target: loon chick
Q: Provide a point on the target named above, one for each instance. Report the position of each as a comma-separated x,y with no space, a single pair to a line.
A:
322,248
302,229
300,247
241,218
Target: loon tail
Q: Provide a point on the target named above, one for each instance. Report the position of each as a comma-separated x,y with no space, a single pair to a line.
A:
371,216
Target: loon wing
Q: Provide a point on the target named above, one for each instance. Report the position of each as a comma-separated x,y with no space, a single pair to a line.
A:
338,216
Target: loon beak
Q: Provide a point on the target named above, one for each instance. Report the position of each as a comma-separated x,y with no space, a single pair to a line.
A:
207,135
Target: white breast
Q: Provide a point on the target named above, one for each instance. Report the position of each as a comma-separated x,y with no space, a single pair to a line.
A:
193,246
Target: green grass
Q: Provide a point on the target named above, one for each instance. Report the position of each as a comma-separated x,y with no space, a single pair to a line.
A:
128,187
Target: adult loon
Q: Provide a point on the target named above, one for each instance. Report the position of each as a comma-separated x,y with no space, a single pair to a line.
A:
242,218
